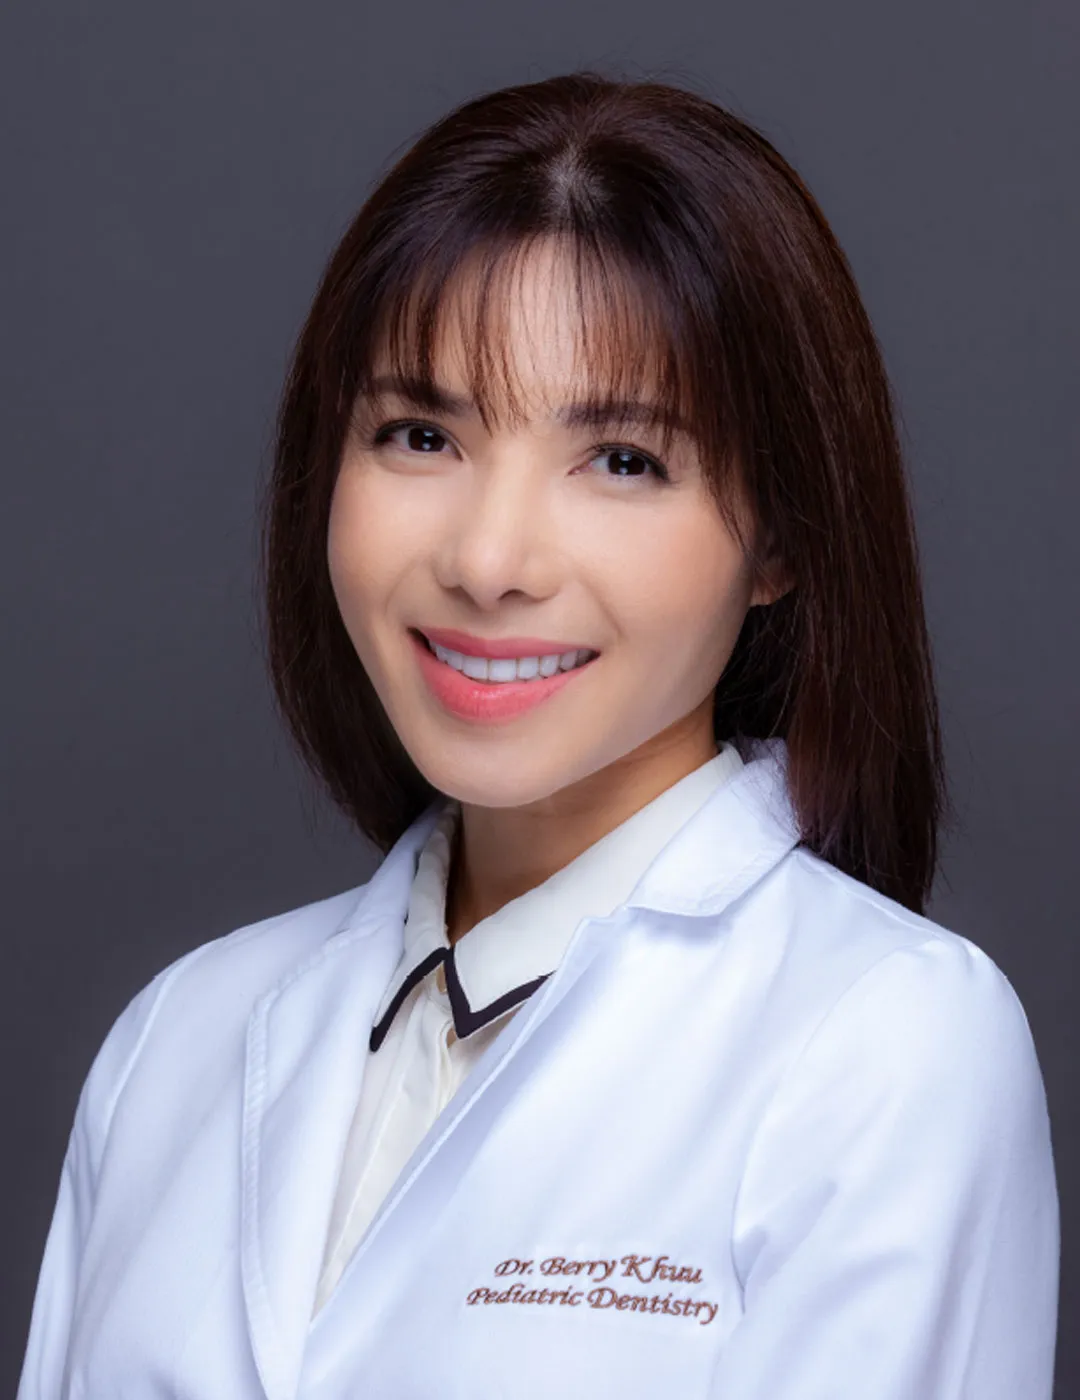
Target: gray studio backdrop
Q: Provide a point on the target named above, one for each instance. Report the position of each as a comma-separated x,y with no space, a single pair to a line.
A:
174,177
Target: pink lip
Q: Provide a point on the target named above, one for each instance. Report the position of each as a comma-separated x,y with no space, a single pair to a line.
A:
482,701
496,648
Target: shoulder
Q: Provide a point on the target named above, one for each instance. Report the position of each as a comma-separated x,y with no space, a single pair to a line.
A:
901,1164
905,1010
253,958
209,991
228,974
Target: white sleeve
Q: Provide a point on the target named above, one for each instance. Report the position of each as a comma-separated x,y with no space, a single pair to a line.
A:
56,1298
896,1231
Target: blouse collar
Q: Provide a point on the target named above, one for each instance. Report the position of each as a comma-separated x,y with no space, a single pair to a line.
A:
503,958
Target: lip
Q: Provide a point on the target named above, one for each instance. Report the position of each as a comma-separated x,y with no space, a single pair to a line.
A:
482,702
498,648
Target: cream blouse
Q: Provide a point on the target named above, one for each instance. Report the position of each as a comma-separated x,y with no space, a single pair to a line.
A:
444,1006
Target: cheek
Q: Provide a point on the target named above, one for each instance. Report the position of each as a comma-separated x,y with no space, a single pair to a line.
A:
367,540
358,555
343,557
688,591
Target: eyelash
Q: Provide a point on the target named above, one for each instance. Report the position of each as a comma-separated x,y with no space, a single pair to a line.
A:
383,434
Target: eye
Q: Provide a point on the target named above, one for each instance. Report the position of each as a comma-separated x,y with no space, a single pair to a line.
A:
629,462
412,437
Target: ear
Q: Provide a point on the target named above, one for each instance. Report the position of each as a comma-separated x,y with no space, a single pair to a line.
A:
772,580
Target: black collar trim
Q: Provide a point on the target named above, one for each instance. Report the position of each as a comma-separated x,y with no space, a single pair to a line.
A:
466,1020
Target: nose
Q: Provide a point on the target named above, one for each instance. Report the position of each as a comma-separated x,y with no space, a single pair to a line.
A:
497,540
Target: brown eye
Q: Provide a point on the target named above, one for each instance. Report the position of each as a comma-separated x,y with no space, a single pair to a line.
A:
414,437
628,462
424,440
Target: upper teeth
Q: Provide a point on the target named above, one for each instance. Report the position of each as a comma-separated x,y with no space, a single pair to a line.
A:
510,668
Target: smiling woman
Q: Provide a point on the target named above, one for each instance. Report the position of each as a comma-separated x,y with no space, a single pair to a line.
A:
547,500
657,285
592,597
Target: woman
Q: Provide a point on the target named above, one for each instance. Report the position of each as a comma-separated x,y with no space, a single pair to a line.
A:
635,1068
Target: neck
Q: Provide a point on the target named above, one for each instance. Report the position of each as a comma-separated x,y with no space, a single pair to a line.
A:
501,853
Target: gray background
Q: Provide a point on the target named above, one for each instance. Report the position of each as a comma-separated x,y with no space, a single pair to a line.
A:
174,177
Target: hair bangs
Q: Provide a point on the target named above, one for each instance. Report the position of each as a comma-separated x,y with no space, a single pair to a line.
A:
635,348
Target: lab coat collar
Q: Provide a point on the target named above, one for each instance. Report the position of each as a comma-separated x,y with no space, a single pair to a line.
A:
308,1040
504,958
738,835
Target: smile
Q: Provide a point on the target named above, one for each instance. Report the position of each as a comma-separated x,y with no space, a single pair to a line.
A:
511,668
491,690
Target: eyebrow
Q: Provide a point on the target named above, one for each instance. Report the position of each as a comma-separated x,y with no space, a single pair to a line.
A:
430,397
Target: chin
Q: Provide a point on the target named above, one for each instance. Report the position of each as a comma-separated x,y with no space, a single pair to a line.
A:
505,781
476,792
497,781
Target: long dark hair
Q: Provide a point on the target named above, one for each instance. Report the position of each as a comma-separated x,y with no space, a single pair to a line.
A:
702,261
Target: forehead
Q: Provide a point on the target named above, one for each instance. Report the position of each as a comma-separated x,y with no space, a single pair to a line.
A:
524,318
535,328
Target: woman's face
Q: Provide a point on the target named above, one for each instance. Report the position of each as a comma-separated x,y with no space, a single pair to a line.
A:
553,529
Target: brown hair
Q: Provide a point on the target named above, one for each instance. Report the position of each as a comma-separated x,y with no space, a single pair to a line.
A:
702,260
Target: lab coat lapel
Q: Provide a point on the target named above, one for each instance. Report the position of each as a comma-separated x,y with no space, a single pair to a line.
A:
306,1050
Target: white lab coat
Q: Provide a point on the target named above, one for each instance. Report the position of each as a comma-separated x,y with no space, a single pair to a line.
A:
763,1135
